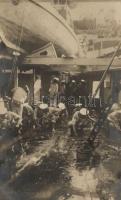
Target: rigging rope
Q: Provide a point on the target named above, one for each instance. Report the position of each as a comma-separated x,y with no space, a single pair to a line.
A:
19,44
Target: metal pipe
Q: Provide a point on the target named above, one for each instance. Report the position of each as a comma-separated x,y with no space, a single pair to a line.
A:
33,84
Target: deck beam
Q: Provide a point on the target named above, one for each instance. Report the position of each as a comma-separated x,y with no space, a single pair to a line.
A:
89,64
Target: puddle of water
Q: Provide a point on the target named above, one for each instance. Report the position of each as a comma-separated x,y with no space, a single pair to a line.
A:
84,180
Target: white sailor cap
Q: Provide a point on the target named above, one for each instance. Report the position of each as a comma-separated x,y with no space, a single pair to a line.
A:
84,111
78,105
61,106
63,81
73,81
56,79
83,81
43,106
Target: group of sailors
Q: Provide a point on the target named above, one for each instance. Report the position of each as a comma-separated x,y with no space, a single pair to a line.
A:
16,112
69,93
46,115
75,95
16,109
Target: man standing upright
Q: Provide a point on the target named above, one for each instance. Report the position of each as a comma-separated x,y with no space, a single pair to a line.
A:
53,90
37,90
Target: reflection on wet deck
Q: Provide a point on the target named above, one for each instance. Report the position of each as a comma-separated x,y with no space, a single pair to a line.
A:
58,169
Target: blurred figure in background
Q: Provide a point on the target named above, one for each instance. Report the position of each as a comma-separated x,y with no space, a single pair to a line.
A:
37,90
62,91
73,88
53,91
82,93
71,95
28,93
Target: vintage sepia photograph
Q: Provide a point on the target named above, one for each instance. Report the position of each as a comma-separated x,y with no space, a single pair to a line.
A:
60,100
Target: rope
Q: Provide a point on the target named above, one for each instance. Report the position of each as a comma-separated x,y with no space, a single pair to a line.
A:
19,44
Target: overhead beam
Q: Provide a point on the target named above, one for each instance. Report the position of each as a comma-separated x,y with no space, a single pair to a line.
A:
94,0
71,61
102,68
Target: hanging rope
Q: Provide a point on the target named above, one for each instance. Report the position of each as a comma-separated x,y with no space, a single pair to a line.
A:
15,59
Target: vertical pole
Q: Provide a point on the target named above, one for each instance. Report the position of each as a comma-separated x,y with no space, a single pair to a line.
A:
33,83
101,48
16,77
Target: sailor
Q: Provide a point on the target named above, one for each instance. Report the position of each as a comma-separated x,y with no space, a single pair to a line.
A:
27,116
114,128
73,87
63,113
28,93
18,99
115,107
70,88
114,119
61,106
71,98
53,91
37,90
3,111
41,113
77,107
8,119
82,92
62,90
40,110
78,116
